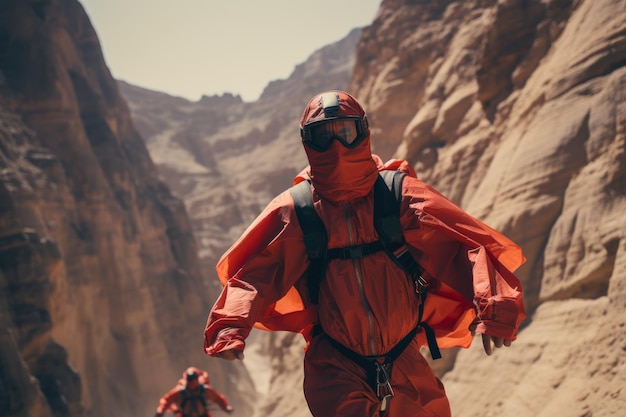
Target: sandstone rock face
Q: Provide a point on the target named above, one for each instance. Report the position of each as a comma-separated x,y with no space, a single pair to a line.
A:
103,299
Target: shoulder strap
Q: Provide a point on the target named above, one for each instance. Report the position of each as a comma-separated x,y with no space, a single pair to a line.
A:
202,396
387,198
314,234
184,396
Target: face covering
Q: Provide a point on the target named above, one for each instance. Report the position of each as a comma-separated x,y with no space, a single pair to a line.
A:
340,174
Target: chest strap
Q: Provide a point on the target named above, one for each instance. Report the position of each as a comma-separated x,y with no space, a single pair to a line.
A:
351,252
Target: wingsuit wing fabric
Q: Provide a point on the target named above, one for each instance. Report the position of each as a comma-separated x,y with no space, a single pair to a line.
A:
469,265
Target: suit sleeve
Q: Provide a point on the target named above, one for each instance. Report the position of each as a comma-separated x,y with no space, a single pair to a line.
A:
169,401
213,395
260,269
467,255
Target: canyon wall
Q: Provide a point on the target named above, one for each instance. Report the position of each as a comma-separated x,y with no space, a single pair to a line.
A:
103,299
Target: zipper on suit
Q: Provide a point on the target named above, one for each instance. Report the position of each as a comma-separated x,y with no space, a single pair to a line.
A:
359,278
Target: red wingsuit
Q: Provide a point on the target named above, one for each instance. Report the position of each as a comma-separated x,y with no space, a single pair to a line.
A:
193,406
367,304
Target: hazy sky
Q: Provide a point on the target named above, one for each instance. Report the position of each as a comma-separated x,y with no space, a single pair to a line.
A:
192,47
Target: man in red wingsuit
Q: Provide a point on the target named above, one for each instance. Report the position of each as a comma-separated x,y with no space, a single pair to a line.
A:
191,396
367,305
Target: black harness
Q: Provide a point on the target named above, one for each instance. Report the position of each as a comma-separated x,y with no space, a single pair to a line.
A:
387,197
193,397
377,368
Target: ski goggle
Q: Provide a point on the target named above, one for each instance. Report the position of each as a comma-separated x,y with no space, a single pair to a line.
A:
350,131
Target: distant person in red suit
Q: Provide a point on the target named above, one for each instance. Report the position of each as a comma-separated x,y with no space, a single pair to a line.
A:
191,396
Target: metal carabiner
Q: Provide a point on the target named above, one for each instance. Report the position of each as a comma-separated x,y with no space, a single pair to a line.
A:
420,284
383,386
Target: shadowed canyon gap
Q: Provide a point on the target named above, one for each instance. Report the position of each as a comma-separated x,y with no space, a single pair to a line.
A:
514,109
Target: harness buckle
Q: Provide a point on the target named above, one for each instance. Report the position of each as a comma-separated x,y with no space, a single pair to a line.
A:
383,386
420,284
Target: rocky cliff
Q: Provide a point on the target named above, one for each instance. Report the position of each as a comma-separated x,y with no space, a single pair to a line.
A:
102,296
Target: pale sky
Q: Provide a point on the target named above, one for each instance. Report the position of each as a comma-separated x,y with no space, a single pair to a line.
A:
188,48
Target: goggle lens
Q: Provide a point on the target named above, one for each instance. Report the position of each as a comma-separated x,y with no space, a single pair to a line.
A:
320,136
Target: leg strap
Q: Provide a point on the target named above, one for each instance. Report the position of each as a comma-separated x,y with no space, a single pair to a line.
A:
378,368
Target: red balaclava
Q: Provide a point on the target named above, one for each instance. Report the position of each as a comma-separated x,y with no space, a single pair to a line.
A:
339,173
